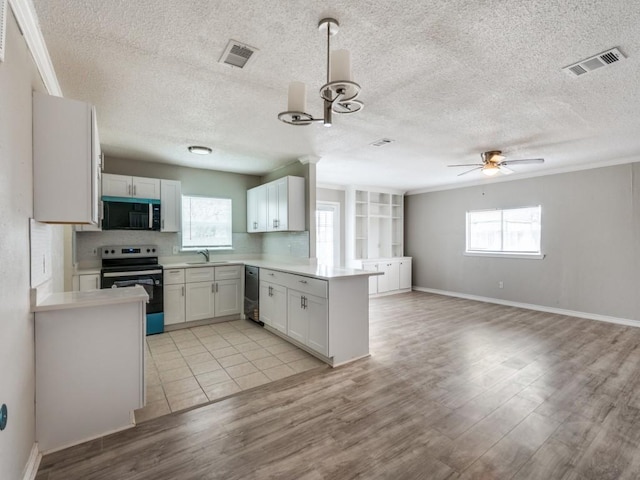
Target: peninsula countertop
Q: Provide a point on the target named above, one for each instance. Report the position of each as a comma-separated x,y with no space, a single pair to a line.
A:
322,272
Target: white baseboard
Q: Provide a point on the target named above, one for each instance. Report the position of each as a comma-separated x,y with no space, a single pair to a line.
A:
529,306
31,468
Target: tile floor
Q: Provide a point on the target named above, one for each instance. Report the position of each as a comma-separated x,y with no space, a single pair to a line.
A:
198,365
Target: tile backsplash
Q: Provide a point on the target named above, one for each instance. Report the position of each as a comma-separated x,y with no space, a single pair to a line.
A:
293,244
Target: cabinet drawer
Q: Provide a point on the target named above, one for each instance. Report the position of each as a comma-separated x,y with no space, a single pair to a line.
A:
202,274
312,286
174,276
228,273
273,276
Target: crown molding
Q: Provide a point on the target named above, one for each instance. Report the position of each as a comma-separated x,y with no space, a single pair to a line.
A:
27,19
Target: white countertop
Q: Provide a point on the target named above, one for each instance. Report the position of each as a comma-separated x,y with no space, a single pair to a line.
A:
93,298
323,272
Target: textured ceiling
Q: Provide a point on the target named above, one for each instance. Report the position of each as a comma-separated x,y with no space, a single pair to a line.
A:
445,79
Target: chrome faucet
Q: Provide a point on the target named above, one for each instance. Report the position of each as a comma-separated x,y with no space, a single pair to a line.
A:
205,253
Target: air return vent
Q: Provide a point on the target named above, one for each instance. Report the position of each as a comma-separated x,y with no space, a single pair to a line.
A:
238,54
3,27
592,63
382,142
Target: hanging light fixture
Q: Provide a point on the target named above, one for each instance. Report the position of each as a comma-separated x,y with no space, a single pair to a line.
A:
338,94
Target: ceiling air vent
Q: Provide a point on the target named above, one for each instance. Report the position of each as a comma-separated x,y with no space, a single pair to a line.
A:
382,142
592,63
238,54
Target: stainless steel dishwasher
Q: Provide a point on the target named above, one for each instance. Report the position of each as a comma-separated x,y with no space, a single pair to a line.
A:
252,293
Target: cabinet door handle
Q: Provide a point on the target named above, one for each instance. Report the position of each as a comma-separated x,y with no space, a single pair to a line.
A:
183,290
273,275
305,303
128,189
213,288
301,301
163,224
302,281
217,287
134,190
97,280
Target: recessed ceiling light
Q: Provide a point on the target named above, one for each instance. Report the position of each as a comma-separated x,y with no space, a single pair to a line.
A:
200,150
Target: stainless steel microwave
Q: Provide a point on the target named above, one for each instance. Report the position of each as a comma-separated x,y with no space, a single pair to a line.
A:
122,213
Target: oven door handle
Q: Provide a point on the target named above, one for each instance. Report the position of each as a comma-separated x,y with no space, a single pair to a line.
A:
128,274
150,216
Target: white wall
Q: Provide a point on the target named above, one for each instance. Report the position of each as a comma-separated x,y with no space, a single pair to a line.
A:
590,236
18,76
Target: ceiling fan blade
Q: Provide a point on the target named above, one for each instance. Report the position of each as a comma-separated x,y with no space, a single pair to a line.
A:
469,171
467,165
523,161
505,170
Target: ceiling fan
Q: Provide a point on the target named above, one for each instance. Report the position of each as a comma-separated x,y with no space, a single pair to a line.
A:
493,162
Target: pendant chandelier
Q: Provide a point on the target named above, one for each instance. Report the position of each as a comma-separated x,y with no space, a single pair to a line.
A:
338,94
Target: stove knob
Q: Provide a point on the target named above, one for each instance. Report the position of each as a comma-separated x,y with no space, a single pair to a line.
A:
113,251
106,252
148,250
153,250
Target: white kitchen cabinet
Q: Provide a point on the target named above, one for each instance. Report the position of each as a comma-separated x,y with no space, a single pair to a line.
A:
170,205
132,187
405,273
89,282
285,206
200,298
316,310
257,209
308,320
201,293
273,305
66,161
396,275
227,297
174,304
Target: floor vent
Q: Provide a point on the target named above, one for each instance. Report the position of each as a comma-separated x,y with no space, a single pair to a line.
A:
592,63
382,142
238,54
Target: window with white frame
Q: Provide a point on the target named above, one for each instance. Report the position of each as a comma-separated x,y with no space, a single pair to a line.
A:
206,222
508,231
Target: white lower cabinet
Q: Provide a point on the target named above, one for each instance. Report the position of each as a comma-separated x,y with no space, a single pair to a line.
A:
85,282
174,304
273,305
227,297
201,293
200,301
396,275
308,320
296,306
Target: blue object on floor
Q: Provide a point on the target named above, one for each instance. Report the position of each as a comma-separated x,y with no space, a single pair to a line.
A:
155,323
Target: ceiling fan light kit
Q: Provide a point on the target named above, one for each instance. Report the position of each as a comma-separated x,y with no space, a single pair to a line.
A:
338,94
494,162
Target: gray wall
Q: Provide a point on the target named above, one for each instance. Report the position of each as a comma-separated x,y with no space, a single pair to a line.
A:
590,236
336,196
18,77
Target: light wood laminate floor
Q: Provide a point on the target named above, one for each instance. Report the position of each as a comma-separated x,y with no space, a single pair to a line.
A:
455,389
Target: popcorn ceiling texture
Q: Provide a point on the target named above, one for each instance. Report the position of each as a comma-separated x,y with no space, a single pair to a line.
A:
446,79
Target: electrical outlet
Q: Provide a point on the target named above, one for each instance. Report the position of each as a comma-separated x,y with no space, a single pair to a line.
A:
500,284
175,249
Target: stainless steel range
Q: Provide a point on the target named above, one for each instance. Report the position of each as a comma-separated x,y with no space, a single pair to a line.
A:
128,266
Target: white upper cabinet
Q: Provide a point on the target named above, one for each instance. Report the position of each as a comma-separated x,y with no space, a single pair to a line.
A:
277,206
170,205
66,161
127,186
117,185
257,209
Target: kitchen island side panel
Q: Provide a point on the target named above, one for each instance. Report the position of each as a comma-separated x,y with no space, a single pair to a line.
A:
348,318
89,372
